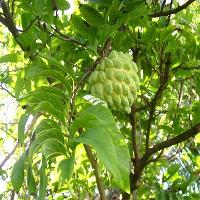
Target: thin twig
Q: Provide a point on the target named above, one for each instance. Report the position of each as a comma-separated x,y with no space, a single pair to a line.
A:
12,196
67,37
193,131
96,172
170,8
80,83
157,157
185,68
9,155
8,20
29,26
17,144
173,11
163,5
174,140
12,8
134,137
6,90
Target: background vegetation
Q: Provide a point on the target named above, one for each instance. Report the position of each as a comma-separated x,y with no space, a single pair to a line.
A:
59,142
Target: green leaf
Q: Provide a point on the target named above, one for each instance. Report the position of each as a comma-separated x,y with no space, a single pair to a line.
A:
46,101
9,58
56,63
88,121
21,127
100,130
162,195
172,170
66,168
197,82
196,112
190,42
45,106
46,124
53,147
55,74
42,137
41,95
17,175
62,4
54,91
92,16
98,138
43,180
19,85
31,181
35,67
26,19
80,26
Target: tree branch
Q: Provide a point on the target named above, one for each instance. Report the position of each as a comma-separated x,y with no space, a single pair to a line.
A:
133,134
160,147
9,155
96,172
175,140
186,68
173,11
164,79
8,20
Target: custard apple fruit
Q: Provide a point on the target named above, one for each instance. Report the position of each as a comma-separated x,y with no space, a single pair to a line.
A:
115,80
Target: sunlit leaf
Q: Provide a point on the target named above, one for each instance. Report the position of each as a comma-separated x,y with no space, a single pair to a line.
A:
21,127
9,58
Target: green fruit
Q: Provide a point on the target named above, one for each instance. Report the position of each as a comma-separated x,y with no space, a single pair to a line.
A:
101,66
116,99
115,80
109,73
108,87
99,90
101,76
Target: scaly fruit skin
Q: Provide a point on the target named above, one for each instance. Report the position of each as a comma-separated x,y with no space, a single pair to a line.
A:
115,80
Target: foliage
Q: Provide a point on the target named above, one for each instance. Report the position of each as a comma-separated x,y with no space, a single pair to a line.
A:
69,144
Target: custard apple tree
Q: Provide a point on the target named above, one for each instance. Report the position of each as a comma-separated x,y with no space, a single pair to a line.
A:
100,99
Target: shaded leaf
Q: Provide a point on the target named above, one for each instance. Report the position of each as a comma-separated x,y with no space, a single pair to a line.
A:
31,181
66,168
197,82
45,106
43,180
17,175
43,137
91,15
57,64
80,25
62,4
53,147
